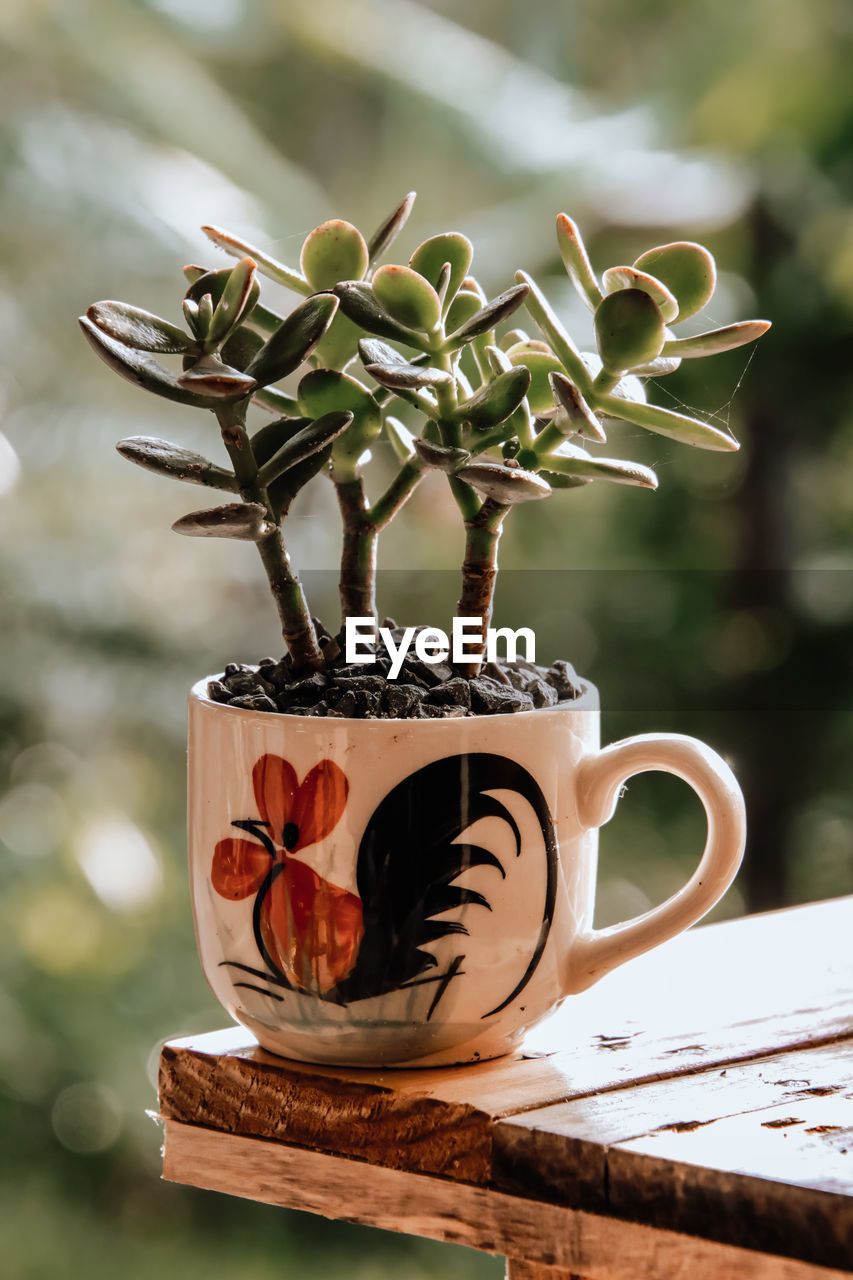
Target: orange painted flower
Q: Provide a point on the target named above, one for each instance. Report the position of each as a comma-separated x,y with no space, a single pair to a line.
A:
307,929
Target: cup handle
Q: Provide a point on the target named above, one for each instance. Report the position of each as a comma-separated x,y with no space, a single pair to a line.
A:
599,780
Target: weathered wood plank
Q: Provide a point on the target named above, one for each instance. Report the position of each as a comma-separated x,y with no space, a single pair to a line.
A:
651,1097
779,1179
706,1153
783,1082
259,1095
720,994
518,1269
581,1243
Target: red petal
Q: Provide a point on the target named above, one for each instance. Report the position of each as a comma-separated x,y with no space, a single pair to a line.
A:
239,867
311,928
320,801
275,786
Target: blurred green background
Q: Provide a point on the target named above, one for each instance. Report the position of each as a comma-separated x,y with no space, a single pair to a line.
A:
721,606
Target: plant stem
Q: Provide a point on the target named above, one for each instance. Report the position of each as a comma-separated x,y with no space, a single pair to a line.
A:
398,492
296,625
357,585
604,382
479,570
548,439
451,434
362,526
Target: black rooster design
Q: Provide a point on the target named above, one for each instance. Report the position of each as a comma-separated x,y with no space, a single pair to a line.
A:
410,857
409,860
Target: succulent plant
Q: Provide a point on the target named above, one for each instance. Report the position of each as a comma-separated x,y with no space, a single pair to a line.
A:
506,418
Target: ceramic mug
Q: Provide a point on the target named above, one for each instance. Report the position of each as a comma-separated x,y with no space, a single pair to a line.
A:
397,892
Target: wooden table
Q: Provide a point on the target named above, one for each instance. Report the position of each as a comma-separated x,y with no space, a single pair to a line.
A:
689,1117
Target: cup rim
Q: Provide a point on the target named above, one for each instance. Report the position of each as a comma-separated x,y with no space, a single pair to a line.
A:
587,702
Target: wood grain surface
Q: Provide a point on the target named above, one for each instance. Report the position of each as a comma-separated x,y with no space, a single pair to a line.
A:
706,1089
585,1244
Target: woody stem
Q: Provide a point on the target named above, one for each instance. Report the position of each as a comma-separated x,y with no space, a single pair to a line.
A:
296,625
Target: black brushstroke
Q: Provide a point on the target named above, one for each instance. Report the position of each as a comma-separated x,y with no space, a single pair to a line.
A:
256,973
255,826
249,986
446,980
260,898
435,977
408,859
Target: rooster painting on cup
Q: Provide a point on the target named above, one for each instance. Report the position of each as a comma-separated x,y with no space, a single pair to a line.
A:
318,938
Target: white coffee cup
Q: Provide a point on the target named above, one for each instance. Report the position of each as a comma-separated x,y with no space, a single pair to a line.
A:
421,892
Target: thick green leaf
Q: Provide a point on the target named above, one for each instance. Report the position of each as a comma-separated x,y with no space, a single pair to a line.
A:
716,340
515,337
488,317
266,443
472,285
576,418
666,422
688,271
138,329
387,233
499,361
333,251
180,464
304,444
241,347
403,376
190,310
442,457
244,520
504,483
294,341
616,278
269,439
570,460
262,318
374,351
558,481
443,285
407,297
576,261
523,344
658,367
496,400
275,401
339,343
451,248
270,267
281,492
234,302
463,308
401,438
204,315
359,303
558,340
629,329
210,377
140,368
325,391
215,283
540,363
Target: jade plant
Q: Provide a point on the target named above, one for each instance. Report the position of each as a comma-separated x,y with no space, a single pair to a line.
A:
416,355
